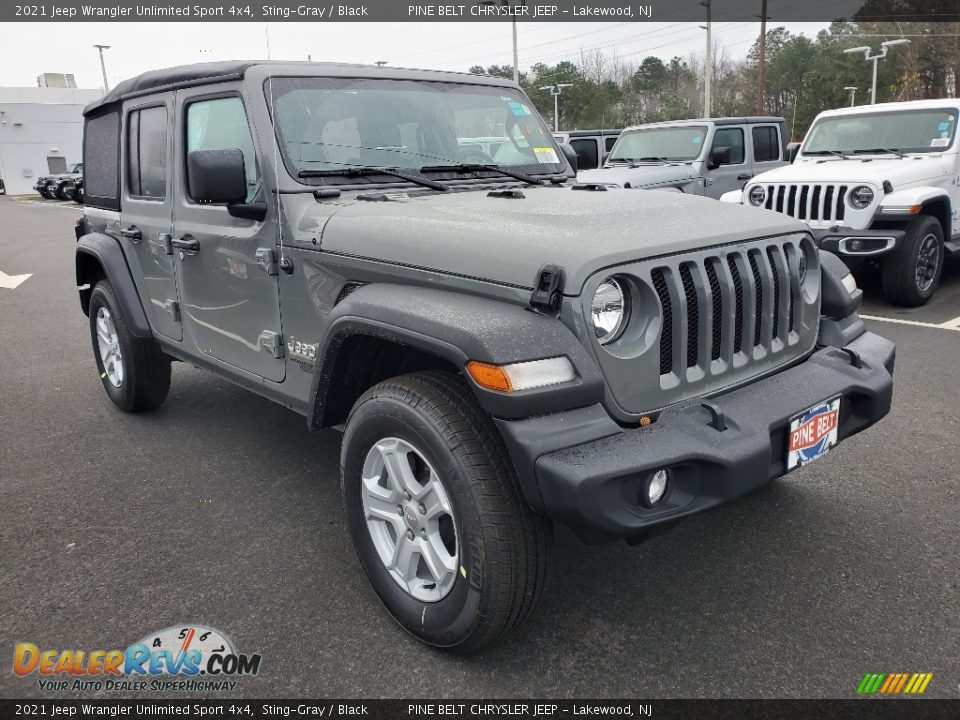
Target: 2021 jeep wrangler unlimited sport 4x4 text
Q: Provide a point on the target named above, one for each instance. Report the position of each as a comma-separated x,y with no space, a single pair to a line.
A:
502,347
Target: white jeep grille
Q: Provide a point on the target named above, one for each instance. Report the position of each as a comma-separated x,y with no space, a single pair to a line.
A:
814,203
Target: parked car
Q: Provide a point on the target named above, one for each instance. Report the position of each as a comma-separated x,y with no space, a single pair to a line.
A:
502,347
59,186
878,186
591,146
700,157
3,188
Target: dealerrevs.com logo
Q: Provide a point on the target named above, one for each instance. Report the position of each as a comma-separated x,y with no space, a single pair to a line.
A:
187,658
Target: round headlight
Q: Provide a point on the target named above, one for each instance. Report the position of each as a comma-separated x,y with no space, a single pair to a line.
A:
757,195
608,310
861,197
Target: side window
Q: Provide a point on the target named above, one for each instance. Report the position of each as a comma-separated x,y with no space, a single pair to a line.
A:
147,153
765,145
101,158
586,150
733,139
221,124
610,141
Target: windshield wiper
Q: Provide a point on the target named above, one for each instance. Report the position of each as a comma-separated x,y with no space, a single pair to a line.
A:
478,167
827,152
364,170
877,151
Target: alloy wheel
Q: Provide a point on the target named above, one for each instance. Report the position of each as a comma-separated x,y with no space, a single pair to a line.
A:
410,519
108,342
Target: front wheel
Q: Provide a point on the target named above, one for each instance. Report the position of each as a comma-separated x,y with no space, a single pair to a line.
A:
435,513
912,272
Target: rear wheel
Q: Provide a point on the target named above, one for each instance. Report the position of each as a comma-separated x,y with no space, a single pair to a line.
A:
134,371
78,195
435,513
911,273
64,193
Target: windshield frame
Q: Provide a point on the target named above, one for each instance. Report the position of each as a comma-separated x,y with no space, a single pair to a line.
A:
705,129
293,168
860,152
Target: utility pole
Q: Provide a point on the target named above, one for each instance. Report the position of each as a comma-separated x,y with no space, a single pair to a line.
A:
853,93
884,49
555,90
103,67
708,62
762,64
510,3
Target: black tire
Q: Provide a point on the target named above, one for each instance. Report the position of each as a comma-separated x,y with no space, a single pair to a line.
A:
501,542
49,192
146,369
78,195
912,272
64,194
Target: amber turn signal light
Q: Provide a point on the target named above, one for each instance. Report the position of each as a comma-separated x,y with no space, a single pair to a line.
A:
493,377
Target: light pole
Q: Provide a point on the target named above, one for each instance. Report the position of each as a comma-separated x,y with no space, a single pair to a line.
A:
708,62
884,49
513,20
555,90
103,67
853,93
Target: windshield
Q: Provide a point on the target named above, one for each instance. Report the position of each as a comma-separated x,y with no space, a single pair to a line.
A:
670,143
915,131
329,124
76,168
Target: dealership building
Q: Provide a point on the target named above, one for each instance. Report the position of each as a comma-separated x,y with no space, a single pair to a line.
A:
41,130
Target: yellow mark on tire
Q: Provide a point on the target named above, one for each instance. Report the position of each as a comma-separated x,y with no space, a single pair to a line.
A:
102,375
463,571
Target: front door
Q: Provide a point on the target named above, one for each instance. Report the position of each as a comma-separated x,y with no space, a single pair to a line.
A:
146,217
230,303
732,175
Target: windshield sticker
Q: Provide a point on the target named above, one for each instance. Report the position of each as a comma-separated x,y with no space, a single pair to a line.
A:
697,139
546,156
940,142
943,127
519,109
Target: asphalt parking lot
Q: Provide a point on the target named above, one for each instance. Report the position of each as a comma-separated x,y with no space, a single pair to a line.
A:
222,509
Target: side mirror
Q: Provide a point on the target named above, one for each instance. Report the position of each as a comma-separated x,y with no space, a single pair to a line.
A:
793,149
571,155
217,176
719,155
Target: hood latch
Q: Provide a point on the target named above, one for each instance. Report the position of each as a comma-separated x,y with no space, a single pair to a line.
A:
548,289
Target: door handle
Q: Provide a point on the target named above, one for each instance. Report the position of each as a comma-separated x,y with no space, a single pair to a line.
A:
187,242
132,233
744,176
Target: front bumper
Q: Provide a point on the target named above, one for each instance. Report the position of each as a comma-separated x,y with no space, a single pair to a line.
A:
582,469
849,243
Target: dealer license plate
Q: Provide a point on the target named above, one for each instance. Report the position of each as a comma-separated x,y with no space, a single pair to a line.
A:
812,433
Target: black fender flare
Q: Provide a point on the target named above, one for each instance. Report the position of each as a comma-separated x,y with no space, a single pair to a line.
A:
107,252
457,328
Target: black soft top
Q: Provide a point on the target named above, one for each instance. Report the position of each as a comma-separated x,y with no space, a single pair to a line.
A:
169,78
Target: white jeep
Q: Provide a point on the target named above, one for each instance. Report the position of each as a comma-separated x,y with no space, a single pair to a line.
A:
877,184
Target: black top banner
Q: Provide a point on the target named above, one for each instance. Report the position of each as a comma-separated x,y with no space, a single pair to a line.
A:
482,11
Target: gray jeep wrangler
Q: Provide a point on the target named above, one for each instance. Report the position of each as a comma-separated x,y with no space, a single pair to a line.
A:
501,347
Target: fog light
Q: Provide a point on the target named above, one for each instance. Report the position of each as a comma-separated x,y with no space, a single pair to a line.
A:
656,487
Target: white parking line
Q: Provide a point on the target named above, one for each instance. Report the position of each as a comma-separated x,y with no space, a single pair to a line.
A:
949,325
49,203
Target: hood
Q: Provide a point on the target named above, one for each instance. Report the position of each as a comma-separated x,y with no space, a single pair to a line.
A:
642,176
508,240
900,172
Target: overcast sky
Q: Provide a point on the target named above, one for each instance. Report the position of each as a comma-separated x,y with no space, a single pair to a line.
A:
29,49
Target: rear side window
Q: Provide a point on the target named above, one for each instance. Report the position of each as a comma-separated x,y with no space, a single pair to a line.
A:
733,139
765,145
221,124
101,161
610,141
147,153
586,153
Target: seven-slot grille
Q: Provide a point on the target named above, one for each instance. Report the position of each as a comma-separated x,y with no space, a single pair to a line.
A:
810,202
745,300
